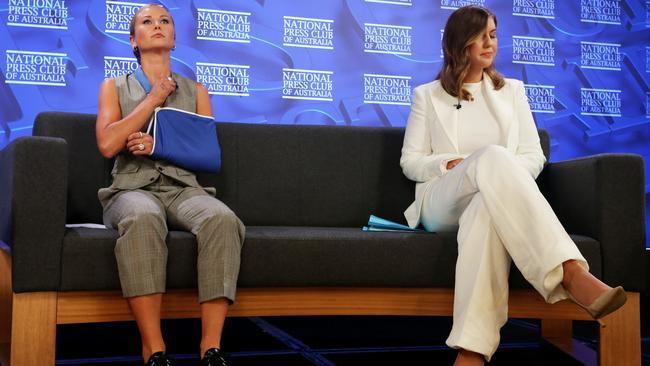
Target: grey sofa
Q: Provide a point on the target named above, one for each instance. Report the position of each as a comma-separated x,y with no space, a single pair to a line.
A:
304,192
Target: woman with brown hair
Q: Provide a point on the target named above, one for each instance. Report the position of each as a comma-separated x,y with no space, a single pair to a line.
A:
147,194
472,148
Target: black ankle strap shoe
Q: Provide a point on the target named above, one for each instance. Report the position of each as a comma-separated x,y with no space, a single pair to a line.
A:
214,357
160,359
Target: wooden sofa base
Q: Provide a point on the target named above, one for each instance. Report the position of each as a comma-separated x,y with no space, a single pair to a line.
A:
31,336
35,315
6,298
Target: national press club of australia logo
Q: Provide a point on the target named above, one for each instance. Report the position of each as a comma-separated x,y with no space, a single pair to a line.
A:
115,66
119,14
533,50
600,56
455,4
224,79
541,98
307,84
534,8
600,102
223,25
600,11
52,14
386,38
386,89
308,32
35,68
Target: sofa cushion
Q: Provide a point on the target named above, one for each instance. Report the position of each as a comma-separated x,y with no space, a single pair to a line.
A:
294,257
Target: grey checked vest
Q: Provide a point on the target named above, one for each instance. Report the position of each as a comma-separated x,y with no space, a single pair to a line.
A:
133,172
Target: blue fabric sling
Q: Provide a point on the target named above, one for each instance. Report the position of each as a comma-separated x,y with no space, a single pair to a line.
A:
185,139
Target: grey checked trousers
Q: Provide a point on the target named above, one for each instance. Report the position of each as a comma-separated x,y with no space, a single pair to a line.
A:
141,218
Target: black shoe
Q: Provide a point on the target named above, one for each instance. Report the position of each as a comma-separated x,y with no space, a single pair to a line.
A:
160,359
214,357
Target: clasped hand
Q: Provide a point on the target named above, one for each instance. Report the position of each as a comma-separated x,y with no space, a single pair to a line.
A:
161,89
139,143
452,164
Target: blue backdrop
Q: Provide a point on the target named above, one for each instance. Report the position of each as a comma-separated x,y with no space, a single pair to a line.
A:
585,63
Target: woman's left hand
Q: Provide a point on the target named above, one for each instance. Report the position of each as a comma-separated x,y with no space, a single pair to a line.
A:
452,164
139,143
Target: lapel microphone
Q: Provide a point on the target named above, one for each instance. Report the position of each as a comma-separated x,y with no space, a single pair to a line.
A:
457,105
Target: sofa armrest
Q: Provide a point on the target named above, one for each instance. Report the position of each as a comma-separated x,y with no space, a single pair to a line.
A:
33,209
603,196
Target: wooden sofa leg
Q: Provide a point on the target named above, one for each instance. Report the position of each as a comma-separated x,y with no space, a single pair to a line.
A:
33,329
5,305
620,339
559,333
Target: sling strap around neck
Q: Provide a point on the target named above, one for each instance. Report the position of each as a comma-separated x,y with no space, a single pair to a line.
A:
142,79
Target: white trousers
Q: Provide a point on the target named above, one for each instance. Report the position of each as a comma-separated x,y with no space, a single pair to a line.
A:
500,215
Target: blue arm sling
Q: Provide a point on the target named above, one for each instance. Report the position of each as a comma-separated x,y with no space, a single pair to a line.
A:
185,139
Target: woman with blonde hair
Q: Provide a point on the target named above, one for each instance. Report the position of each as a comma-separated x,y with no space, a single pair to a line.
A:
147,195
472,148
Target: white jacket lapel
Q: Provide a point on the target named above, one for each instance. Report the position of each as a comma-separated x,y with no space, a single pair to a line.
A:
502,106
443,104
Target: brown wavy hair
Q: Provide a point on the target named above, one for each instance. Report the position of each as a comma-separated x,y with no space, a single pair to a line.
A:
462,27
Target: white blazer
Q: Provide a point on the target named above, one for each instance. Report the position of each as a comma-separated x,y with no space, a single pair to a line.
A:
431,137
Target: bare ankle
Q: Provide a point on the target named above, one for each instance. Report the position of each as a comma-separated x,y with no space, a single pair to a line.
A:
147,351
581,284
569,269
204,348
469,358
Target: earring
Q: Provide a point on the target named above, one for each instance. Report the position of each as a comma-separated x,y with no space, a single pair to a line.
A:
174,48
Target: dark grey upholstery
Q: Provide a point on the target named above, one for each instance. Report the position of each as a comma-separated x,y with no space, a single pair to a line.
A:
303,192
33,209
290,256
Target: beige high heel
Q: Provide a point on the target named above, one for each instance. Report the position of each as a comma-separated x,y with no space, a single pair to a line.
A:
604,304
